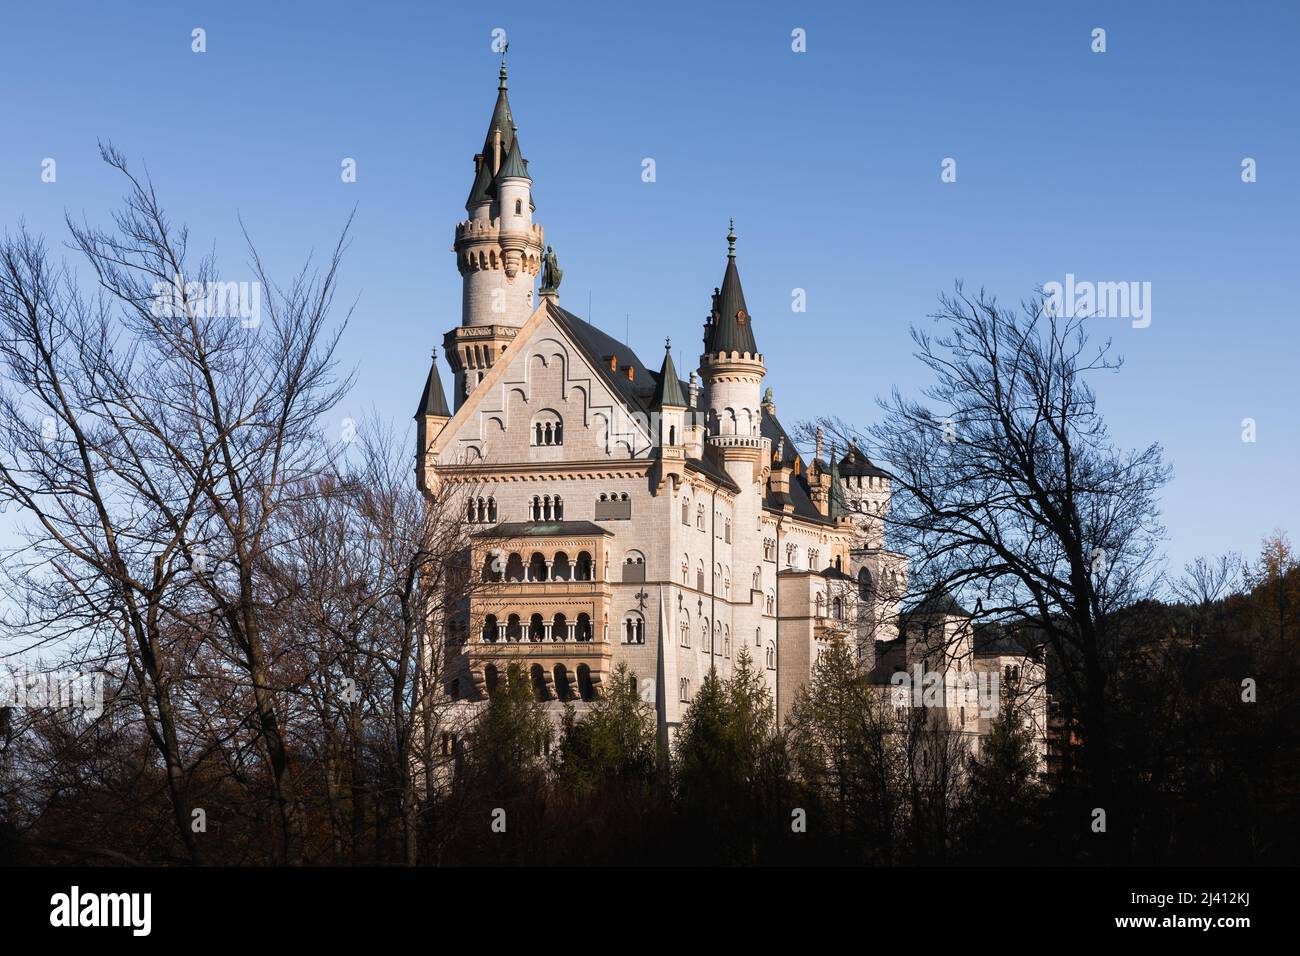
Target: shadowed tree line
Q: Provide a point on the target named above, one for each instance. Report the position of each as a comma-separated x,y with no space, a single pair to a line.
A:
269,607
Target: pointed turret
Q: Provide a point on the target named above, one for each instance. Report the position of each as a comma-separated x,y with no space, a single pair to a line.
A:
730,328
433,401
668,390
669,404
515,166
839,506
498,252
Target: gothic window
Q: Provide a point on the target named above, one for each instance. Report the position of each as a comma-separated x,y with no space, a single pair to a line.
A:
837,609
699,517
726,641
684,690
699,576
771,603
686,511
705,637
686,569
812,559
758,579
771,656
758,637
685,628
519,207
791,553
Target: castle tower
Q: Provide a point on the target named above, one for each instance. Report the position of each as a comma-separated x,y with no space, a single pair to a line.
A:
732,369
669,403
498,252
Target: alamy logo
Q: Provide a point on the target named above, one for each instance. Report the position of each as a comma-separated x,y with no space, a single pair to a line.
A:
30,690
1102,300
75,908
218,300
932,689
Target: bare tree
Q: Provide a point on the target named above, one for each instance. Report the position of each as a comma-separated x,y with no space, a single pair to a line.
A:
1006,487
152,441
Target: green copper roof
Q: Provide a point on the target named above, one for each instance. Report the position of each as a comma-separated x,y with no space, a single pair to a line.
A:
501,119
668,390
514,164
482,191
433,401
730,327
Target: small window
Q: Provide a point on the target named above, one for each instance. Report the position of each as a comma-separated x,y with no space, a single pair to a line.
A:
519,207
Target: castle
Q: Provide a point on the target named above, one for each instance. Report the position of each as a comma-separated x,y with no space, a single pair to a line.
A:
623,514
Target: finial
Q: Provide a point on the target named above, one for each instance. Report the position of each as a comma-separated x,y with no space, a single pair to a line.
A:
502,84
668,344
731,240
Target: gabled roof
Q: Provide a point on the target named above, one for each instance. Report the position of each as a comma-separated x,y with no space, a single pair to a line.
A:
598,348
798,496
942,603
858,465
432,399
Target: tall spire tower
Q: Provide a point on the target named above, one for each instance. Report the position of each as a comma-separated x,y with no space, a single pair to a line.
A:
733,369
498,252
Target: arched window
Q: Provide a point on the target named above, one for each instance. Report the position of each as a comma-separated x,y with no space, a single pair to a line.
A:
585,688
547,428
684,690
582,567
514,630
685,628
582,631
563,690
633,567
865,585
490,630
758,637
560,628
727,536
706,637
538,675
633,628
758,579
726,641
699,576
820,604
837,609
561,570
686,510
699,517
514,567
519,207
536,629
537,567
771,656
686,569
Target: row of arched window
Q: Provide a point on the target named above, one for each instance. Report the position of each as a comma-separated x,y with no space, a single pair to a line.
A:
563,685
538,629
482,510
546,508
548,428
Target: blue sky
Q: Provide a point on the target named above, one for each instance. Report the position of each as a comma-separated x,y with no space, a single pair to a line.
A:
1117,166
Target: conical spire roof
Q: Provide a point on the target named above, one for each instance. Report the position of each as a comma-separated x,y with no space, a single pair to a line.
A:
514,163
432,400
482,189
502,119
668,390
730,327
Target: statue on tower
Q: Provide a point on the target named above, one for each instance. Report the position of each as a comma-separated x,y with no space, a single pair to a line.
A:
551,274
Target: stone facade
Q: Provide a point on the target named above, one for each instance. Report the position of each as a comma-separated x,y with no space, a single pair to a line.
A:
625,515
